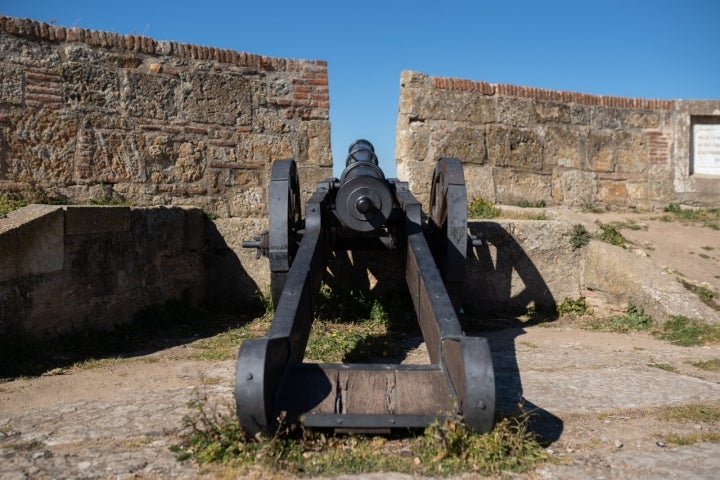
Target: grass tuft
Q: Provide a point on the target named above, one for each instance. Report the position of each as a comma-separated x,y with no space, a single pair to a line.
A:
446,447
610,234
687,332
479,208
579,237
634,320
574,308
709,365
9,203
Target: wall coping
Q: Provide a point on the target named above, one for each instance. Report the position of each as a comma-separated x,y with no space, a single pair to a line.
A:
490,89
28,28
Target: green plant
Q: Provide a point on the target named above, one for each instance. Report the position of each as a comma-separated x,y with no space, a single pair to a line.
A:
579,237
451,447
694,412
663,366
610,234
8,204
693,438
709,217
633,320
709,365
529,204
479,208
351,326
574,308
704,293
684,331
446,447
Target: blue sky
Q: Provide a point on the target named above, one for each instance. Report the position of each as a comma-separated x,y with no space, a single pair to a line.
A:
651,49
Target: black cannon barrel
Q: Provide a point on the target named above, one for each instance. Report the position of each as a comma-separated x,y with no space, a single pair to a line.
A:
364,199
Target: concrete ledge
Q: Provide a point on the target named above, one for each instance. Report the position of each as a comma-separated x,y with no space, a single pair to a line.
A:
82,220
32,238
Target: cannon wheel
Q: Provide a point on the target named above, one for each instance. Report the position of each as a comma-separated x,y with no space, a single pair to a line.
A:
284,217
448,224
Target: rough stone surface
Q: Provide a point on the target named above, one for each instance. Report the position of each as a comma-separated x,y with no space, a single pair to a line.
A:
89,115
93,267
597,397
564,148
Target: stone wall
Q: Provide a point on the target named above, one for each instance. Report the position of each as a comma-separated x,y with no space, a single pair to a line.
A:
523,144
67,268
88,115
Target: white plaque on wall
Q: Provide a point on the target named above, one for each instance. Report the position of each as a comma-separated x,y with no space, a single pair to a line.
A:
706,149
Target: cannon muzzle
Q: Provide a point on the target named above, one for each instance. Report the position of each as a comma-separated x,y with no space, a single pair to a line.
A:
364,199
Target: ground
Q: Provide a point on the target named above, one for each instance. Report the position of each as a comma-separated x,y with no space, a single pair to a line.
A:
603,400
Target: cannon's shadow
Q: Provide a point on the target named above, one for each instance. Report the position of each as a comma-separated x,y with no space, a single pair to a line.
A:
505,293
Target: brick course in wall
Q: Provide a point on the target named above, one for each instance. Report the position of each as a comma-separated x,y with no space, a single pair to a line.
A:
526,144
90,115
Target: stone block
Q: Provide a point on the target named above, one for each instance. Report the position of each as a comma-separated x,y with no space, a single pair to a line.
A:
516,267
518,148
34,239
551,112
641,119
85,220
465,143
11,84
574,187
480,182
89,86
565,146
601,151
149,96
224,98
612,192
515,187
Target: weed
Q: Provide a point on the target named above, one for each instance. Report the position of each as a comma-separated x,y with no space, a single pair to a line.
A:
694,412
479,208
579,237
633,320
351,326
709,217
264,302
574,308
449,447
708,248
693,438
709,365
705,294
686,332
663,366
535,216
24,445
211,215
610,234
446,447
9,203
529,204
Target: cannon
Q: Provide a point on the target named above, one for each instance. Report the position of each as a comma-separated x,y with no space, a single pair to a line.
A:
363,209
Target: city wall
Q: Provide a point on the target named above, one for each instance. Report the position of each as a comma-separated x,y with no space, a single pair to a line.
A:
96,116
530,145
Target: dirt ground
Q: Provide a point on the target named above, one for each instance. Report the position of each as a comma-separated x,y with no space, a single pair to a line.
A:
600,398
